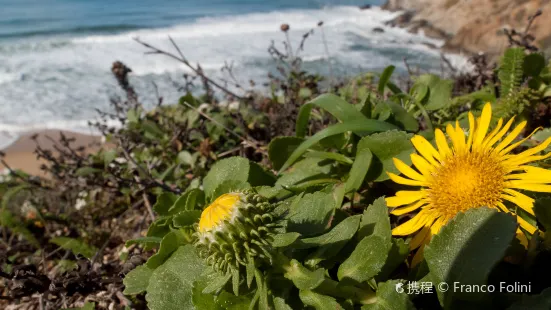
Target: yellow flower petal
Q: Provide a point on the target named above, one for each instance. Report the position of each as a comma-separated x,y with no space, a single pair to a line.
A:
426,149
472,125
407,209
510,137
422,165
485,144
526,226
404,181
419,237
484,124
526,153
441,143
524,202
413,225
501,133
407,170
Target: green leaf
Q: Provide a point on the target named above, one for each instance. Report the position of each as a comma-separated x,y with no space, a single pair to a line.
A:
86,171
402,117
365,262
152,130
171,284
375,221
510,70
384,78
310,214
216,283
331,243
109,156
76,246
533,64
258,176
202,301
359,169
185,157
542,208
286,239
467,248
389,299
136,281
385,146
229,186
343,232
333,104
329,155
542,301
398,253
306,169
234,169
186,218
133,115
190,200
164,202
440,94
358,126
280,148
302,277
318,301
160,227
169,244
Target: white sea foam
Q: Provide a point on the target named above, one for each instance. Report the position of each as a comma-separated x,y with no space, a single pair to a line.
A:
52,82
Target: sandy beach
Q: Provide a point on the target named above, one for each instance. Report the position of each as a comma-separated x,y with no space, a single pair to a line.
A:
20,154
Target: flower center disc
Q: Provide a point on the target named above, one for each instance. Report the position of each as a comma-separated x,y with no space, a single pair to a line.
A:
465,181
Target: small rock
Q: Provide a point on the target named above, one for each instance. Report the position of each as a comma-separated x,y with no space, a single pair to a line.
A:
378,30
365,7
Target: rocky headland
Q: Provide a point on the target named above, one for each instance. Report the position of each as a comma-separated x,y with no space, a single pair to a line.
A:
474,26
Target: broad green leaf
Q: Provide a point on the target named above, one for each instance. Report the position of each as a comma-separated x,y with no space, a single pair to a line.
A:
533,64
192,199
258,176
440,94
152,130
286,239
542,301
229,186
169,244
185,157
280,304
233,168
384,78
171,284
318,301
186,218
310,214
133,115
402,117
333,104
542,208
280,148
203,301
385,146
467,248
329,155
136,281
359,169
397,254
164,203
376,221
329,244
389,299
357,126
366,261
160,227
216,283
229,301
75,245
344,231
306,169
302,277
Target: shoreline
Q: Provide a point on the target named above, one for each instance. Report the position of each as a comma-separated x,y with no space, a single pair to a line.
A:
20,154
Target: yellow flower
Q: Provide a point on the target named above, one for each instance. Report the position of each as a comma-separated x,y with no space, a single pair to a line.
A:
219,211
479,171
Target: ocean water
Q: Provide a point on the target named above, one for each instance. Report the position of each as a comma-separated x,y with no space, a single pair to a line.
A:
56,55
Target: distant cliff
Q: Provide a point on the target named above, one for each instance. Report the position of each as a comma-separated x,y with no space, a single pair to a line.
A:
473,26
